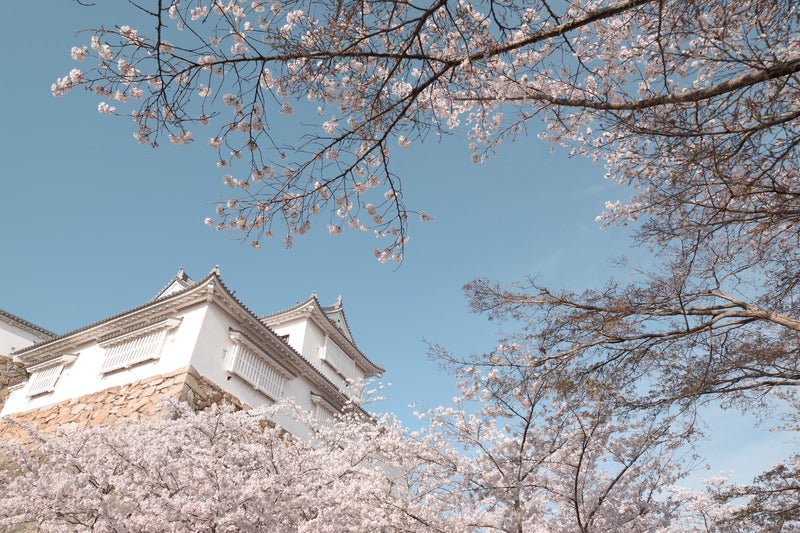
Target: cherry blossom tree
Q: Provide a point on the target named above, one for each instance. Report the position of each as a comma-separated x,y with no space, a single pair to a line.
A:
695,105
770,502
692,106
540,463
710,325
518,463
225,471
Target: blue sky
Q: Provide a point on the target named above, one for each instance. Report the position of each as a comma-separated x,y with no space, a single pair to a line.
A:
93,224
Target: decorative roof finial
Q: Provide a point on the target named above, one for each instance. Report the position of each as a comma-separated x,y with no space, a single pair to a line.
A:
215,270
314,294
339,301
181,274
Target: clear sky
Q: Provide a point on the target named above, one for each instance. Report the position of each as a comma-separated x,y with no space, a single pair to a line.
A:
93,224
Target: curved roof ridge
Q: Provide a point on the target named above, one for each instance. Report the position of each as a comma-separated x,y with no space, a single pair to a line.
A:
116,315
298,305
313,299
182,279
286,345
199,285
338,308
24,324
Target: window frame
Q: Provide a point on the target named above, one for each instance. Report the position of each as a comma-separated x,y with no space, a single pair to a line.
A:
340,362
324,412
39,382
113,362
274,385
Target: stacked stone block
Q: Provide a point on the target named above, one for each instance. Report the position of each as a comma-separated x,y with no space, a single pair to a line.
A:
116,405
11,374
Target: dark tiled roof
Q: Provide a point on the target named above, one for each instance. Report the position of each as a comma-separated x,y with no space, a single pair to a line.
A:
24,324
213,274
182,279
112,317
308,363
313,298
330,310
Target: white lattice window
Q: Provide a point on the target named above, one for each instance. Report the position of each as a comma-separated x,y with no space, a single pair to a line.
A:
256,368
43,377
44,380
340,361
323,412
325,416
136,347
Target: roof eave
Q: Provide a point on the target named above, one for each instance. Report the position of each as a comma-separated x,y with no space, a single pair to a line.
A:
311,308
24,325
91,332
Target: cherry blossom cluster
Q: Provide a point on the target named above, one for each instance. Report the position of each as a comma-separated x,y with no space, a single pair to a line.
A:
226,471
516,462
621,81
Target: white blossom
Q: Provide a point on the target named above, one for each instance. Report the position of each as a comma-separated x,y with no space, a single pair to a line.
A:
105,109
79,54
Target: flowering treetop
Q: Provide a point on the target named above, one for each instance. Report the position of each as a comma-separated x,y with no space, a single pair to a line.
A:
667,92
694,104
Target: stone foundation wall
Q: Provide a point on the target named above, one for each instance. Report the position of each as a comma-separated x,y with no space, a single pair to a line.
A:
110,406
137,400
202,394
115,405
11,373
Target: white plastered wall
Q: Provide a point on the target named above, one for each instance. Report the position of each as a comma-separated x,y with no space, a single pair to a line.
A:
83,376
213,354
201,340
15,338
308,338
